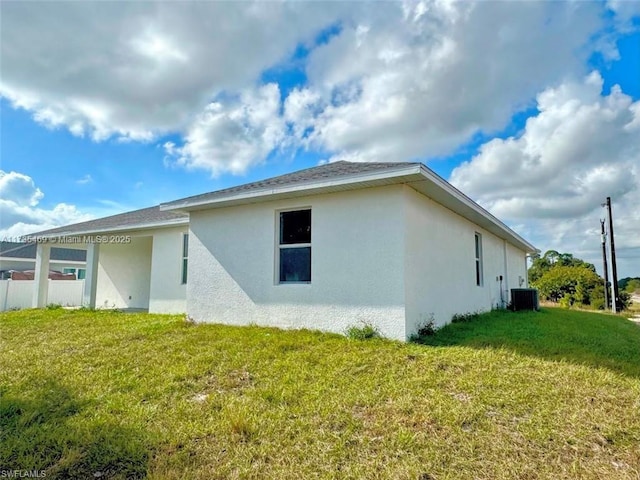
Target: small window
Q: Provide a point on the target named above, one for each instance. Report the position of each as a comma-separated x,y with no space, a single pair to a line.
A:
478,242
68,270
185,256
82,274
294,247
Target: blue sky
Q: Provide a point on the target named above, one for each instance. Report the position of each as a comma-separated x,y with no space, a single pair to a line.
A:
515,104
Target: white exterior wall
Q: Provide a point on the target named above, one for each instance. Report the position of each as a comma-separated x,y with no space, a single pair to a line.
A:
517,268
357,264
167,293
124,274
440,278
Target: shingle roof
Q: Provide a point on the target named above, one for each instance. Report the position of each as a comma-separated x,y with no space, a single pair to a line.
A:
28,251
137,218
333,177
313,174
153,215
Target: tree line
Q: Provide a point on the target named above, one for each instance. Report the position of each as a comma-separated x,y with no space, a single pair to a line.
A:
570,281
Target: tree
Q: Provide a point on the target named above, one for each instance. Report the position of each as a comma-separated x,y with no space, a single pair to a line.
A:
561,277
572,284
631,285
552,259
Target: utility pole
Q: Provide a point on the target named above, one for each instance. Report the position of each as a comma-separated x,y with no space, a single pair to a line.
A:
604,261
615,300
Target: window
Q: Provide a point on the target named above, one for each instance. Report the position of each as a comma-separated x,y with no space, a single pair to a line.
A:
294,247
478,240
185,255
80,272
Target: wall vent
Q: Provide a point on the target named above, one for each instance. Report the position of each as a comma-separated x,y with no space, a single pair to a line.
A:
524,299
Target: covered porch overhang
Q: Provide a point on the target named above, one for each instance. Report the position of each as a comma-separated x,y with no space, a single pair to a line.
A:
120,263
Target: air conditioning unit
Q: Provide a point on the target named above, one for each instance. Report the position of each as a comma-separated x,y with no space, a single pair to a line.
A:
524,299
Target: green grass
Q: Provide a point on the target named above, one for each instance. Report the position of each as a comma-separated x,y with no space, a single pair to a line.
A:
554,395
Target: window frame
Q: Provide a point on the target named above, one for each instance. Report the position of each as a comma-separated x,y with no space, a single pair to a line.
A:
184,264
477,251
281,246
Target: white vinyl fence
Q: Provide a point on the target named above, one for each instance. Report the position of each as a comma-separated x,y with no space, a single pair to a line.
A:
17,294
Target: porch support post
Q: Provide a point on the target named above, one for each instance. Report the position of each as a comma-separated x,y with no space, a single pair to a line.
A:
91,276
41,276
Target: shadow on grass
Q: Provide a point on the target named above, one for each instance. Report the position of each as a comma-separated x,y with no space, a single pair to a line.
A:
582,338
47,432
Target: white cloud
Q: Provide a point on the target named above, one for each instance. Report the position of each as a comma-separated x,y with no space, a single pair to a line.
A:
84,180
401,84
396,82
580,148
19,188
625,10
233,136
19,212
138,69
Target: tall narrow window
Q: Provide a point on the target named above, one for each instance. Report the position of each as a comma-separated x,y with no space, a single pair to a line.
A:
294,247
185,256
478,241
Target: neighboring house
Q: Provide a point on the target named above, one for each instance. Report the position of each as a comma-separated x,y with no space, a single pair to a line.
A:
22,257
390,244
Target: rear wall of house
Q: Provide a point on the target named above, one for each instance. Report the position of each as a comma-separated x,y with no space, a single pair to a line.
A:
356,264
440,265
167,292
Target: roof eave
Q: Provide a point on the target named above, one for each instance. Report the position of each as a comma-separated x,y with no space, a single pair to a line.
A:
413,174
493,224
126,228
350,182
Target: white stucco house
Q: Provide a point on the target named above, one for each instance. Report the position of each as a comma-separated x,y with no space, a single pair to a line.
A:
391,244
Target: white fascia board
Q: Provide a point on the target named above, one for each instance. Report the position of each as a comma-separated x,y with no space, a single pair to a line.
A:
127,228
469,203
403,175
314,188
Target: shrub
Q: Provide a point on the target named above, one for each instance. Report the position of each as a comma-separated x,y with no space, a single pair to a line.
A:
560,282
54,306
566,301
426,328
625,300
464,317
364,332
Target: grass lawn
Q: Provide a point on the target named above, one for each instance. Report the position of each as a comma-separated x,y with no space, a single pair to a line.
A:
546,395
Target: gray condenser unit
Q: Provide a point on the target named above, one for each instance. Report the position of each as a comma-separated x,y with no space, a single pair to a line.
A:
524,299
